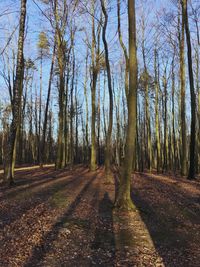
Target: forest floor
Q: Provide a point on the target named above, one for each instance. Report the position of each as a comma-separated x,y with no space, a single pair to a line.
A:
65,218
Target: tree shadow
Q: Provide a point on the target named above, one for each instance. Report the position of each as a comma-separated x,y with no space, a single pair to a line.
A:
103,245
36,180
23,184
38,197
168,222
182,199
42,249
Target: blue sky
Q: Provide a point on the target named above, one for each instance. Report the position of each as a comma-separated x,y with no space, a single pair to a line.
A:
37,23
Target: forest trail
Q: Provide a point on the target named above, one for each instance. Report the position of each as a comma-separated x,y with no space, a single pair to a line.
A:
65,218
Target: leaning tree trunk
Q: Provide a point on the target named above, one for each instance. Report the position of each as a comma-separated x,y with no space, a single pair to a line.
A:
16,103
123,200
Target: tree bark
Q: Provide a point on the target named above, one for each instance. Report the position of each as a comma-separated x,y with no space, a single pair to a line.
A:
93,95
157,113
47,106
17,95
109,80
191,174
123,199
182,81
123,48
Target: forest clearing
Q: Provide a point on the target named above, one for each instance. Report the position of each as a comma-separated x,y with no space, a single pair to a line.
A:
99,133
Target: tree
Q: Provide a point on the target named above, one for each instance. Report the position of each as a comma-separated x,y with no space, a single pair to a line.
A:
60,28
16,101
182,81
191,174
93,95
123,47
109,80
43,47
86,108
156,83
147,108
123,200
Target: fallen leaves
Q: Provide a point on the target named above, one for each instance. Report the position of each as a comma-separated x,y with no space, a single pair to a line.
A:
68,221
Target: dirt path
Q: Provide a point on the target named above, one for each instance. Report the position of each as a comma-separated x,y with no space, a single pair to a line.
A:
65,218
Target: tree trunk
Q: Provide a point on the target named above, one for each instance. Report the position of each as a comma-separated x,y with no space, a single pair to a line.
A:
93,96
40,116
109,80
165,152
191,174
123,48
123,200
61,58
157,113
17,95
86,107
72,115
47,107
182,80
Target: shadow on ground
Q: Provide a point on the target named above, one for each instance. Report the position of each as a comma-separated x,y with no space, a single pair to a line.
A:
30,200
45,245
169,220
104,241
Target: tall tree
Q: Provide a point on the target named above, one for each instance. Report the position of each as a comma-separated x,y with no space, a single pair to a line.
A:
182,82
147,108
191,174
165,117
60,16
93,94
16,100
43,47
158,160
109,81
123,199
47,104
86,108
95,57
123,47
